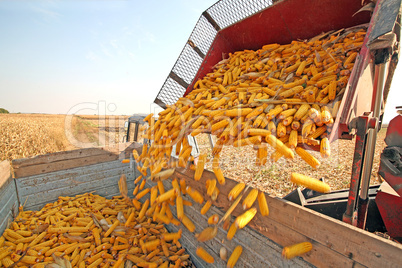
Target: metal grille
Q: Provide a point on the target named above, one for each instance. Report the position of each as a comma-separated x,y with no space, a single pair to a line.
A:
226,13
203,34
219,16
187,64
172,91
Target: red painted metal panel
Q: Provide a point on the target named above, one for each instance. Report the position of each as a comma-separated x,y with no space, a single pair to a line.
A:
290,20
390,207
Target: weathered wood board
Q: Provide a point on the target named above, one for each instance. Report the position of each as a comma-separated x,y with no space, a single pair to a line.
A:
47,163
102,178
335,244
8,196
258,250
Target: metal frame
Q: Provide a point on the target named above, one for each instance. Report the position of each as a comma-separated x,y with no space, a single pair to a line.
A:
219,16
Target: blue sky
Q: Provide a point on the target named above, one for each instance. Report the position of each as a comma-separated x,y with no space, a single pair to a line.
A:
64,56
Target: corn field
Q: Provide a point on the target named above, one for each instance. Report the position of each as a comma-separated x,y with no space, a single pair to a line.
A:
28,135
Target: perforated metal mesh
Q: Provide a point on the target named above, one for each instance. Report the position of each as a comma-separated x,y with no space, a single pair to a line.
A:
203,34
187,64
173,91
224,13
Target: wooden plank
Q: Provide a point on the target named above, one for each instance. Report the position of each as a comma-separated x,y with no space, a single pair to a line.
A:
258,250
8,197
54,176
335,243
65,164
101,178
4,172
28,187
55,157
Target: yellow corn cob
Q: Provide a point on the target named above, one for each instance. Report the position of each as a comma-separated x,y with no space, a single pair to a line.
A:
166,196
250,199
207,234
7,262
310,159
293,139
350,59
286,113
274,112
219,176
203,254
325,114
280,130
232,231
332,90
296,250
278,145
142,193
257,111
242,220
304,108
211,186
287,121
179,206
214,219
236,190
258,132
301,67
318,132
198,122
195,195
290,92
206,207
262,155
238,112
262,203
310,183
234,257
325,149
247,141
219,125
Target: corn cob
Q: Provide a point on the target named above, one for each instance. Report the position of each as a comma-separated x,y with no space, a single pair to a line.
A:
203,254
250,199
207,234
325,148
195,195
232,231
311,160
310,183
234,257
242,220
262,203
214,219
278,145
236,190
296,250
219,176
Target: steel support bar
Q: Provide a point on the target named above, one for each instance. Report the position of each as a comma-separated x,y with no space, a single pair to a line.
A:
360,124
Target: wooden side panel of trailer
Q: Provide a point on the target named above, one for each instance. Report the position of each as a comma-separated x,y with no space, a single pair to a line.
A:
8,196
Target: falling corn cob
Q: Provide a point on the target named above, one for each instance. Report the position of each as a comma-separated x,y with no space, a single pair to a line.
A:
250,199
203,254
242,220
310,183
296,250
262,203
234,257
306,156
236,190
